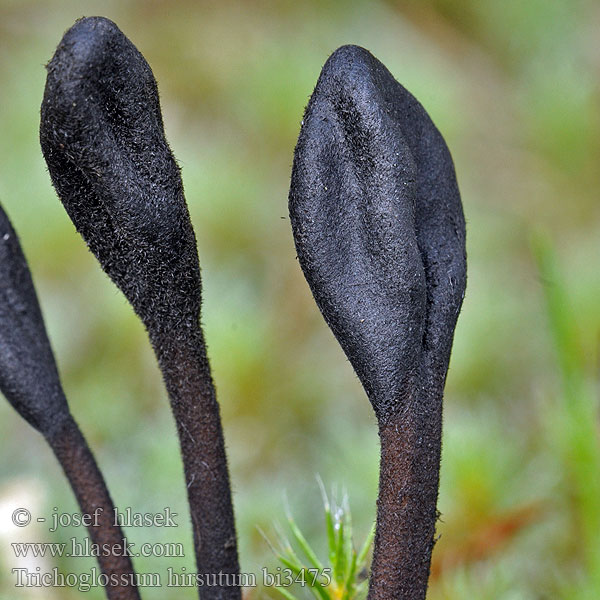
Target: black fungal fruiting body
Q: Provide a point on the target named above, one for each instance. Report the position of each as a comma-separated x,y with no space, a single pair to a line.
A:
102,136
29,380
103,140
380,236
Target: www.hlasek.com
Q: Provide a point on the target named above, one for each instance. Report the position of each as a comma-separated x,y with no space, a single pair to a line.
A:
84,582
79,549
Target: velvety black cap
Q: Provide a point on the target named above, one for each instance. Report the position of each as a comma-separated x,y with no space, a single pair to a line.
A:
379,227
102,137
28,375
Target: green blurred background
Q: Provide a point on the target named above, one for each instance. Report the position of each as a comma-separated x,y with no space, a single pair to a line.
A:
514,88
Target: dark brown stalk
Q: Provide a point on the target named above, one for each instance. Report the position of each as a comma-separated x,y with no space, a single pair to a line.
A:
406,505
93,497
186,372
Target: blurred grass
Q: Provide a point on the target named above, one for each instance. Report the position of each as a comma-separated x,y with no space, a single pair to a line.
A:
573,423
514,88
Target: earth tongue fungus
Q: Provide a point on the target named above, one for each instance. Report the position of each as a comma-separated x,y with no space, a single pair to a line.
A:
103,139
29,380
380,235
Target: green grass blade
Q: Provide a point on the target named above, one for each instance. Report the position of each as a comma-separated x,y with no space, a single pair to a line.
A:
339,565
285,593
350,584
318,590
287,548
304,545
328,522
362,555
349,551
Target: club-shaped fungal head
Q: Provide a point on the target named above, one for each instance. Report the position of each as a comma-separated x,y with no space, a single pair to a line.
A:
378,226
28,374
102,136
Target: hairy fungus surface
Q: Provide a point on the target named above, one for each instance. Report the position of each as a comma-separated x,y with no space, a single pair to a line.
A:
103,139
378,225
28,375
380,235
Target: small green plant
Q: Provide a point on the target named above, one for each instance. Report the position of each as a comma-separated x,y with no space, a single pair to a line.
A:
344,575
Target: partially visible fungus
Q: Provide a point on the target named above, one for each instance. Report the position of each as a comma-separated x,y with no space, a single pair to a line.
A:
28,375
29,380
